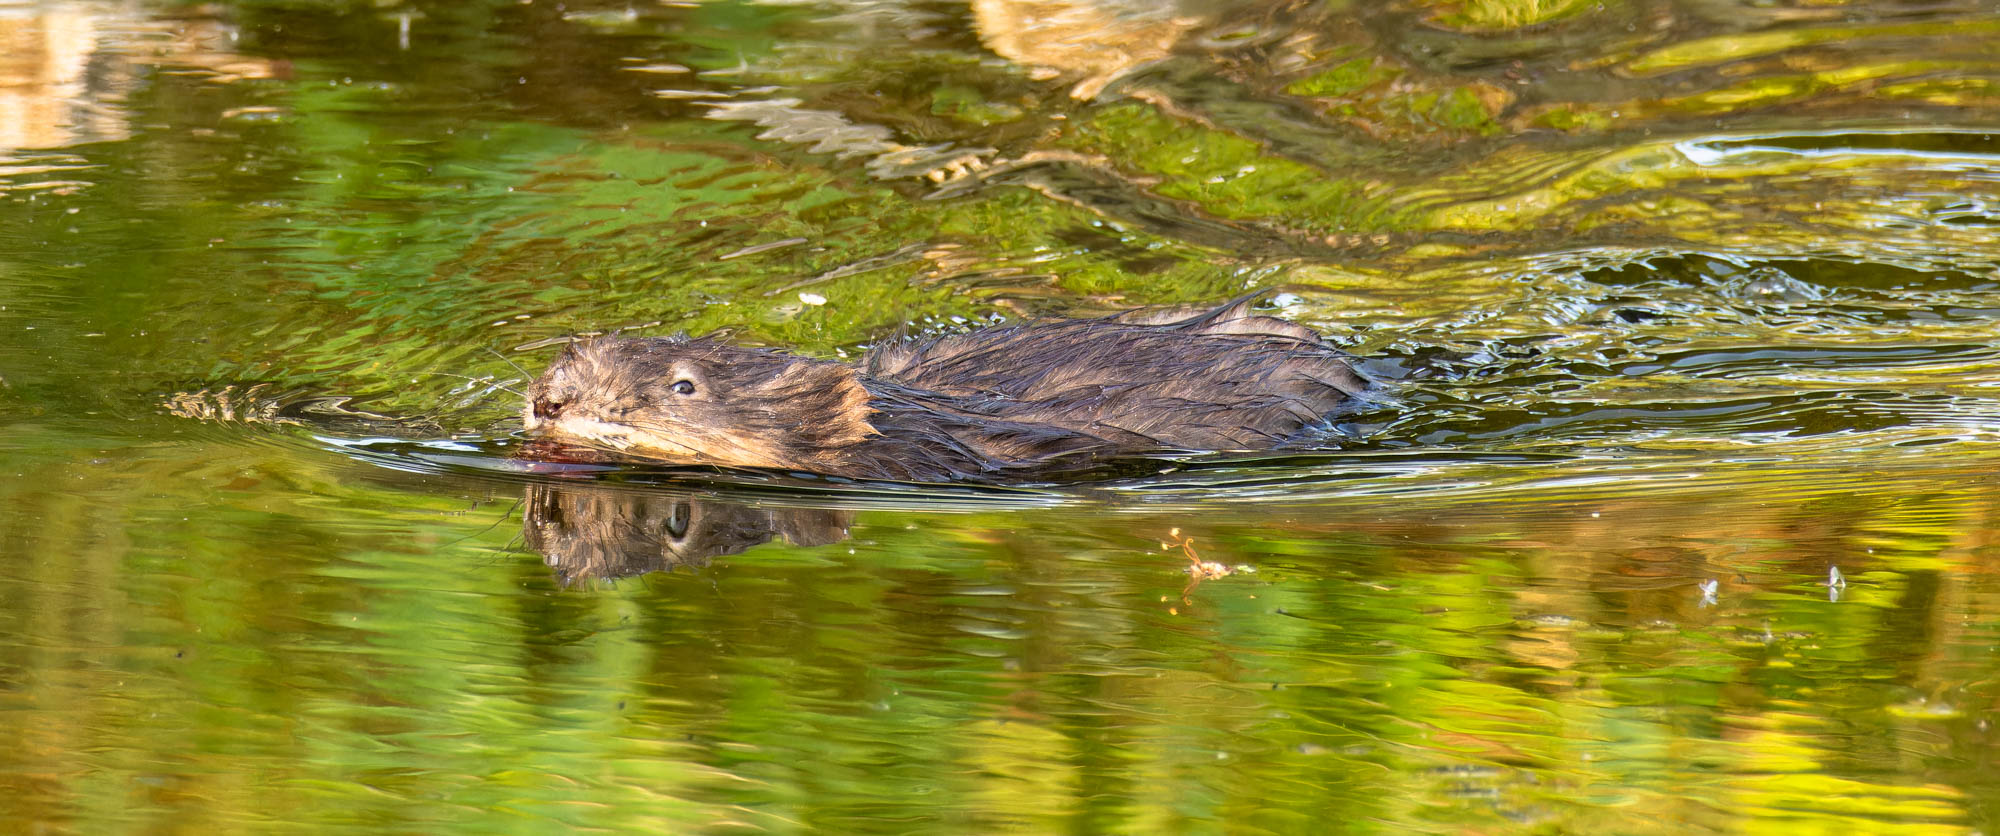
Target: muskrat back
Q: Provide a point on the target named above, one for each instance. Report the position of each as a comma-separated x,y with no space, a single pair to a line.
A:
1000,403
1225,379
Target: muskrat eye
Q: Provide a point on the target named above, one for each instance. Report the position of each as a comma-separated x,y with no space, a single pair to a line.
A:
548,410
682,387
677,522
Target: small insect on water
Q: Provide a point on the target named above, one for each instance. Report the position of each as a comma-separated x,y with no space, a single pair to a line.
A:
1198,570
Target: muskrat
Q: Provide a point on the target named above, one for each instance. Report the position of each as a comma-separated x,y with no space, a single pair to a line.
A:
1008,402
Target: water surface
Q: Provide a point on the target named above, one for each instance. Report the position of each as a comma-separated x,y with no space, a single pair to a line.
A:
1681,516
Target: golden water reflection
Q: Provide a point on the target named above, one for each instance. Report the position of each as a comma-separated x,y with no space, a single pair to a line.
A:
67,69
46,98
1098,41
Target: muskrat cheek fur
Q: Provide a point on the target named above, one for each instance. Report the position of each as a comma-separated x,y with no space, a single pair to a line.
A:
1000,403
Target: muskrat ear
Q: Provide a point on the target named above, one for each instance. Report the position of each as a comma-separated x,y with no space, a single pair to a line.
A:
832,393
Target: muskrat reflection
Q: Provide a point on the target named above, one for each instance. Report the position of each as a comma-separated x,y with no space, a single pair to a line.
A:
594,531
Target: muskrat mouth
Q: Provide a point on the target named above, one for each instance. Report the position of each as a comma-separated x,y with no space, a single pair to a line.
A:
667,443
617,438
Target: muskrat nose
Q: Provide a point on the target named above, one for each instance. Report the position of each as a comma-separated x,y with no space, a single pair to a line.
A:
547,410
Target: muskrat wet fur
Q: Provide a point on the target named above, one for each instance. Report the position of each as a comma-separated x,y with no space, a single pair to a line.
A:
1004,403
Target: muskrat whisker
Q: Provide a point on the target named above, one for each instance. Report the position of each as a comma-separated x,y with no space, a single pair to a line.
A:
504,516
662,432
503,359
501,386
515,544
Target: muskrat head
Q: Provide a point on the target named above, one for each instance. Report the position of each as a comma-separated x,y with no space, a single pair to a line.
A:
699,401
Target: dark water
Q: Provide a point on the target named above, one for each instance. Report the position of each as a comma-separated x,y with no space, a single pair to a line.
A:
1684,516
